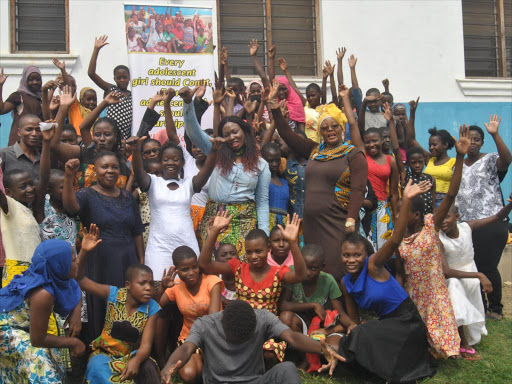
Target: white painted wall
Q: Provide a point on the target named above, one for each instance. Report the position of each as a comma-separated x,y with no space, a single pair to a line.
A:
417,44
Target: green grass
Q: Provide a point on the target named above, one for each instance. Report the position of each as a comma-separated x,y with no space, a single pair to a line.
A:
495,367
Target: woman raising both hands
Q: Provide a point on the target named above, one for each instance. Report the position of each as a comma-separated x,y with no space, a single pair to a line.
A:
336,179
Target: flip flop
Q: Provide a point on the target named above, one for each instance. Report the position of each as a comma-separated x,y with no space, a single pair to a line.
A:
473,355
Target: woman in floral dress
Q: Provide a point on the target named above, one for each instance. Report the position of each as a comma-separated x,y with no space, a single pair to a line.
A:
420,253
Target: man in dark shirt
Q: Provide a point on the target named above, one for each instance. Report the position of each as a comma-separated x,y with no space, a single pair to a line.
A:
232,345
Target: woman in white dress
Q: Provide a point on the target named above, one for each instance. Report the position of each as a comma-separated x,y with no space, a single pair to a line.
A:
463,278
169,200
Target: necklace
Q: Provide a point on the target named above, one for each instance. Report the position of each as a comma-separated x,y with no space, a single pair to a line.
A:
240,152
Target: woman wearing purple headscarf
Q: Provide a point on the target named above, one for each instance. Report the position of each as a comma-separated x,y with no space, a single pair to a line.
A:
25,101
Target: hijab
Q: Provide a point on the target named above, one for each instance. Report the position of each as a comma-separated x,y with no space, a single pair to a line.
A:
49,269
295,107
24,81
83,110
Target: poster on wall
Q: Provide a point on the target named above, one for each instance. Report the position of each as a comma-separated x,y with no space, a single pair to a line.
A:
168,47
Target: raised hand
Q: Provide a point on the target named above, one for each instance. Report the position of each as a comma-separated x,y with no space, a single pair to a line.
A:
218,96
343,91
135,142
340,53
50,85
388,112
71,167
253,47
186,94
272,51
48,134
265,95
66,96
217,142
372,98
414,104
158,97
59,64
494,123
230,93
250,106
329,68
463,144
385,83
91,237
100,42
412,190
291,232
284,108
352,61
282,64
113,97
224,55
273,89
168,278
201,90
221,221
54,103
3,77
169,95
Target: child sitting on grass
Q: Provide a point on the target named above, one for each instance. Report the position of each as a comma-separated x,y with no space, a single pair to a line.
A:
256,281
121,352
196,295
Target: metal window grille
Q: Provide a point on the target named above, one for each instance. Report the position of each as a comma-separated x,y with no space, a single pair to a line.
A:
39,25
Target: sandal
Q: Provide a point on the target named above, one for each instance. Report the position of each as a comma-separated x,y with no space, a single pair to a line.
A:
469,354
494,316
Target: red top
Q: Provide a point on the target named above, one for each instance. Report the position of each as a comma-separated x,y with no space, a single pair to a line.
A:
379,177
247,279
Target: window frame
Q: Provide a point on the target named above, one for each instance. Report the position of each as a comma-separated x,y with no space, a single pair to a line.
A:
501,47
268,35
12,28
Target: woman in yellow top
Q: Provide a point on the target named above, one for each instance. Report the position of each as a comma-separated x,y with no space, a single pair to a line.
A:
439,165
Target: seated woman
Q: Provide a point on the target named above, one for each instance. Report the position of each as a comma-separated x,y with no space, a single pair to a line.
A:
121,352
29,353
394,347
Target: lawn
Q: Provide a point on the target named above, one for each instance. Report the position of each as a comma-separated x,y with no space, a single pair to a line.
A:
494,368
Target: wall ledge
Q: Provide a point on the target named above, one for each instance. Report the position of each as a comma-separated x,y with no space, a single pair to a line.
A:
13,63
486,87
301,81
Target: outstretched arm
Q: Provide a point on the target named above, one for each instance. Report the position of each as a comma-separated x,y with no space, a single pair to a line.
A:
395,146
253,51
330,72
204,174
505,158
4,107
63,151
340,54
219,223
69,200
44,176
99,43
291,234
177,360
89,243
142,177
170,127
355,133
271,63
88,121
462,147
284,67
411,131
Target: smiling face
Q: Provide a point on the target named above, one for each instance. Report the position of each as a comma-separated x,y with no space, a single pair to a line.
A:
416,162
122,78
188,271
279,246
141,286
235,136
22,188
89,100
450,221
331,132
256,252
436,146
372,144
150,150
34,82
103,136
107,171
353,256
172,161
30,133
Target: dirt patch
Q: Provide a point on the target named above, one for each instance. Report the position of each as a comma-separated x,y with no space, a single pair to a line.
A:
507,301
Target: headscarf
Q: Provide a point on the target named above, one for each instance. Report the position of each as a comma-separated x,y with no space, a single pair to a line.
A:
83,110
49,269
331,110
24,81
295,107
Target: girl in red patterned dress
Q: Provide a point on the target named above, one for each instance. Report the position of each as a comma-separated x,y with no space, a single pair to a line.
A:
256,281
420,252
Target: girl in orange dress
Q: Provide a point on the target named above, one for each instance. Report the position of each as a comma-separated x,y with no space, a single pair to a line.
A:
420,252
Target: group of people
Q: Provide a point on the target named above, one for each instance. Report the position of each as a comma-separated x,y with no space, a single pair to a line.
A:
148,31
215,255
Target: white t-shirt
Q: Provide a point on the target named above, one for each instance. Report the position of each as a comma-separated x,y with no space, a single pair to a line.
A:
189,171
171,225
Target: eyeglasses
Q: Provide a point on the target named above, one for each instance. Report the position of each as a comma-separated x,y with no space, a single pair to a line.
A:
150,151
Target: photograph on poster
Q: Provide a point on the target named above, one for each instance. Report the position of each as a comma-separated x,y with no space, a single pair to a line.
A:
165,29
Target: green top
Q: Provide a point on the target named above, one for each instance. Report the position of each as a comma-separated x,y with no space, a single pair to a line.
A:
326,289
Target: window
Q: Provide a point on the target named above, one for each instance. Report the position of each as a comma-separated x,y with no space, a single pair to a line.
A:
40,26
487,37
288,24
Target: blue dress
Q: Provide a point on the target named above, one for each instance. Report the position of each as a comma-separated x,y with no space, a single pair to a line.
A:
278,201
118,219
394,347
